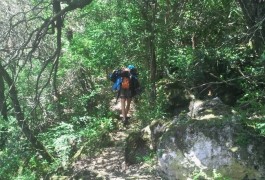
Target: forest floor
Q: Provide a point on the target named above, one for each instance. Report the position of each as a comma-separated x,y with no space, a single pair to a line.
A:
110,164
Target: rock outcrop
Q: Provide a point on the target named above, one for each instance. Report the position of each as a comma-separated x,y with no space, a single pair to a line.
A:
211,143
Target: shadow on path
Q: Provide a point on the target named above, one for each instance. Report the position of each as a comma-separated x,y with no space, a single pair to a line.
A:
110,164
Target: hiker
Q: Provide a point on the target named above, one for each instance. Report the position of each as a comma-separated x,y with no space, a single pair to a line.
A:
127,85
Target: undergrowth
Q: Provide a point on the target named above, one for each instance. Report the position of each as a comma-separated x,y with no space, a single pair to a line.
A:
62,141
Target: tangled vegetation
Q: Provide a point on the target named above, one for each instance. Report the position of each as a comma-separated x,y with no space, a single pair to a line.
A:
56,56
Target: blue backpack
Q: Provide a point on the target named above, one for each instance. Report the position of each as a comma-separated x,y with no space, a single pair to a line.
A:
117,84
117,76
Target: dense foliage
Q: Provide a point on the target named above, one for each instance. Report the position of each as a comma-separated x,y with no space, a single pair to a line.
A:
56,57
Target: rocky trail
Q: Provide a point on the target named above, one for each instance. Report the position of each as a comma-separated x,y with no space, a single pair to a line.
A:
110,164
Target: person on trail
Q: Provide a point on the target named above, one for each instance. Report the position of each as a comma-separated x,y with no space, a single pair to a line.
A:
126,99
127,86
126,93
127,90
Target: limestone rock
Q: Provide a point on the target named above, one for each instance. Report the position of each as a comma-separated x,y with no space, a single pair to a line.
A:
210,109
152,133
221,147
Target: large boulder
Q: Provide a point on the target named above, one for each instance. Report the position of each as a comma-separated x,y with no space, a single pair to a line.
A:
219,146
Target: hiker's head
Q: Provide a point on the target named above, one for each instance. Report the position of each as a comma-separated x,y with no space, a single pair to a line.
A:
131,67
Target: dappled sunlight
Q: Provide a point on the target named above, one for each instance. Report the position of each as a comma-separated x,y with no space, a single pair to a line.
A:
110,163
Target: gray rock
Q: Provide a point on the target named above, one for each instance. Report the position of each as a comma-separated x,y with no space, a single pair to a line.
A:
209,109
215,147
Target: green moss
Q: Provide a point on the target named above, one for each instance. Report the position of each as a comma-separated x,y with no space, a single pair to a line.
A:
237,171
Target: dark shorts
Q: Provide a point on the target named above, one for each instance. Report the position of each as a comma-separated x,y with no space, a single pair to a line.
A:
126,93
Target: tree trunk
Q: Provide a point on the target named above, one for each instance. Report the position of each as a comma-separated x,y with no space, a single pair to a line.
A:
152,54
3,106
59,24
3,109
20,117
254,13
150,7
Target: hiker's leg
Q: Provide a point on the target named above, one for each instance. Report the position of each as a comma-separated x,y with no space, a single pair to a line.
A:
128,105
123,111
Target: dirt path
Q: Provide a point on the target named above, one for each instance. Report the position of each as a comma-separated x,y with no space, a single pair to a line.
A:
110,164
